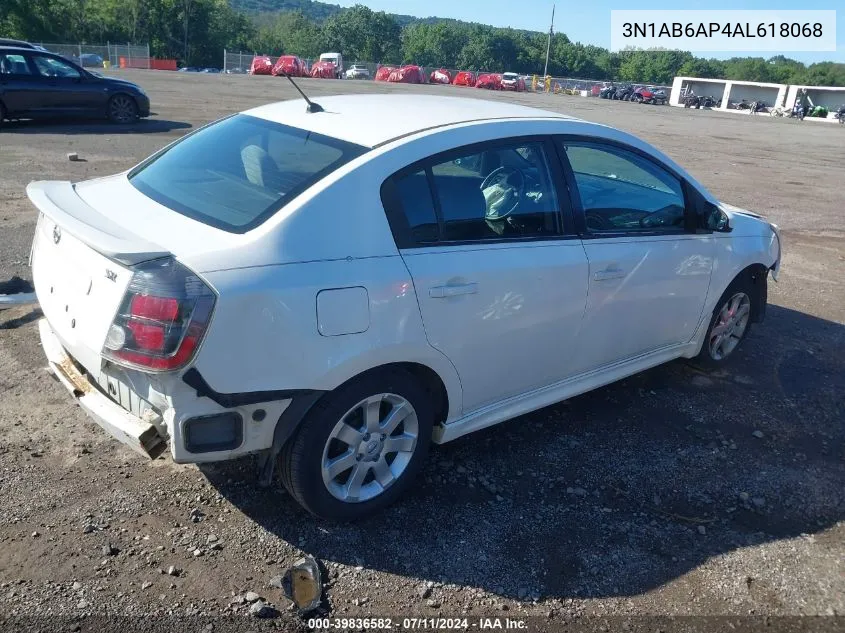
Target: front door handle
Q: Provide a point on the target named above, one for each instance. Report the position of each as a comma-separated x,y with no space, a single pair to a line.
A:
609,273
442,292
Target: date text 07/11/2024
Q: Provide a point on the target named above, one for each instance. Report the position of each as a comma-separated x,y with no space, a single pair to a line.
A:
419,624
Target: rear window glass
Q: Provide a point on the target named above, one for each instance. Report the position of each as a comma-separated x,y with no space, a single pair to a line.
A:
236,173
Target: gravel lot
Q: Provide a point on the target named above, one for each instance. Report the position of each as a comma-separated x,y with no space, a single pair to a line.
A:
671,493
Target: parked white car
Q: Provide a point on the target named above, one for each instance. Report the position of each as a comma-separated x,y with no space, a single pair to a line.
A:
358,72
336,290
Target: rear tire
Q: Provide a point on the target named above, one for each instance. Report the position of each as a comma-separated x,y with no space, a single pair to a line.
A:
729,325
340,465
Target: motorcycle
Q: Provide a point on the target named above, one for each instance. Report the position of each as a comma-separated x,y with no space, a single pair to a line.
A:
757,106
697,102
840,114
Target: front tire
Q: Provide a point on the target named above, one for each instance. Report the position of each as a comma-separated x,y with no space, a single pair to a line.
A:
122,109
360,447
730,324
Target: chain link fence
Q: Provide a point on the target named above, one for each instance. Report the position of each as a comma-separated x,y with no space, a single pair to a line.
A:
581,87
235,62
240,62
103,55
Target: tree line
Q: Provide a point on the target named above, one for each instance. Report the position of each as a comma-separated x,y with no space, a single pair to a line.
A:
196,32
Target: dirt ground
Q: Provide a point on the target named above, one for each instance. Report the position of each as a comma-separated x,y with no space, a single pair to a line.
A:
671,493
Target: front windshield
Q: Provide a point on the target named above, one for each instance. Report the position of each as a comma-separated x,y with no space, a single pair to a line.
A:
237,172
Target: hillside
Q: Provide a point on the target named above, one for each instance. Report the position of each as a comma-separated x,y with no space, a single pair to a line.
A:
318,11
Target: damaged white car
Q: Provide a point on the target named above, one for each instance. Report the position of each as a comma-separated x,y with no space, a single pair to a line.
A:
333,288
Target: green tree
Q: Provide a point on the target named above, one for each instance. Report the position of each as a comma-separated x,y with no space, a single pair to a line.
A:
784,70
748,69
363,34
291,33
825,74
436,44
196,32
699,67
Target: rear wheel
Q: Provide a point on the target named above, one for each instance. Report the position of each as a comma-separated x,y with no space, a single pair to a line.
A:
360,446
122,109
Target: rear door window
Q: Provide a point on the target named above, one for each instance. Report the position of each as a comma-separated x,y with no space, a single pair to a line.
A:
502,191
236,173
13,65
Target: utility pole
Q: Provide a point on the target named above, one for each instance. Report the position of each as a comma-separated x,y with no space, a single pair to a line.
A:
549,45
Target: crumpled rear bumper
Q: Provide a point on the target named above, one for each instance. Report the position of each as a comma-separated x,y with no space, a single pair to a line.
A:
140,436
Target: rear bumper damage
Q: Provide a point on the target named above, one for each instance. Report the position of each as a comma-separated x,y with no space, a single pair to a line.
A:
164,410
140,436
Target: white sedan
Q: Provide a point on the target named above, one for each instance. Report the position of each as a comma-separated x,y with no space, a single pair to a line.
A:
335,290
358,72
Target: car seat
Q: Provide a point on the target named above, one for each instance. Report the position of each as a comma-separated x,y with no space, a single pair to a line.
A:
260,169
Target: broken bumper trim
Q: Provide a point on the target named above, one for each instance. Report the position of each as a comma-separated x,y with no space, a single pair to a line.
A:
138,435
21,299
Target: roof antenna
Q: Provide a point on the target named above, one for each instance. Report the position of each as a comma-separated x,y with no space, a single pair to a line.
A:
312,107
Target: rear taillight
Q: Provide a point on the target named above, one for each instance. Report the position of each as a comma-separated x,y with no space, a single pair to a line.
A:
162,318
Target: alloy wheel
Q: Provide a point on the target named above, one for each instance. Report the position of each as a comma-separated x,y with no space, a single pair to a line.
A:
730,326
122,109
369,448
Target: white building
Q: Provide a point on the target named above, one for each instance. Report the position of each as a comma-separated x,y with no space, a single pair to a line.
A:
826,96
728,91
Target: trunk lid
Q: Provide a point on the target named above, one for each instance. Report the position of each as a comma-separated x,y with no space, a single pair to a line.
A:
81,266
78,288
59,202
87,239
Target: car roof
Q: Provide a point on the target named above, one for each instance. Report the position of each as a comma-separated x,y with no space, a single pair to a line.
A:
18,49
4,42
373,120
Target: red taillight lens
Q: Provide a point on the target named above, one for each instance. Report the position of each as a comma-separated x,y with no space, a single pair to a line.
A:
159,308
162,318
147,336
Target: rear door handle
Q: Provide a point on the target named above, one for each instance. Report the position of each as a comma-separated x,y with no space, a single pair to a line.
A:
442,292
609,273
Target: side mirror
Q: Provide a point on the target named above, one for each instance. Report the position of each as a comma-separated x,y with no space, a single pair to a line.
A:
718,221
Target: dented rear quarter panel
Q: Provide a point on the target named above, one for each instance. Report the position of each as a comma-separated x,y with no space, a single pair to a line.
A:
264,333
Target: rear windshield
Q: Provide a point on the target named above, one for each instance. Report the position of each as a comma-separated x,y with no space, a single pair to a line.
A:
236,173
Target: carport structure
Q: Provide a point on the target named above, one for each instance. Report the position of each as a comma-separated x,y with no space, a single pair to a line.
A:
682,86
830,97
728,91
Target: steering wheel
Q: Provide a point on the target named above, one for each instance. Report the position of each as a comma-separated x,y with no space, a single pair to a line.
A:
659,217
597,222
504,174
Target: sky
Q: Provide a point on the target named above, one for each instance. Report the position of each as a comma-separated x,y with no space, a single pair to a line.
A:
588,21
